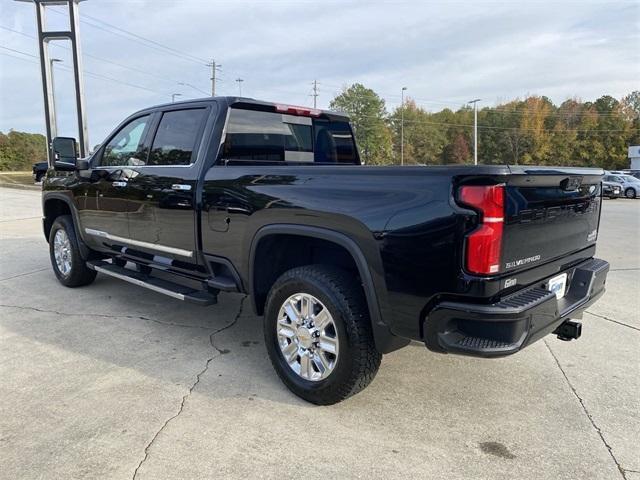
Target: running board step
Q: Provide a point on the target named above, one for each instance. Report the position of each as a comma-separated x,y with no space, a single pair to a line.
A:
225,284
175,290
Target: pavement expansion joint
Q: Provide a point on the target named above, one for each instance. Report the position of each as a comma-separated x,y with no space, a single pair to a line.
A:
613,321
25,274
589,416
102,315
217,352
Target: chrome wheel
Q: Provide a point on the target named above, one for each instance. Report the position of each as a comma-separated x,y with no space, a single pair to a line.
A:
62,252
307,336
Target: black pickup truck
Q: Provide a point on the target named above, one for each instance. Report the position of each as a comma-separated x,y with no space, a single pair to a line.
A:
345,262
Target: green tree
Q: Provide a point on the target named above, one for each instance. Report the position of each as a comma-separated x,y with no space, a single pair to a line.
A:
20,150
368,117
424,138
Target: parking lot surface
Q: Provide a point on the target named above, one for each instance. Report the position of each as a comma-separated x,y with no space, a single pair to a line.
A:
114,381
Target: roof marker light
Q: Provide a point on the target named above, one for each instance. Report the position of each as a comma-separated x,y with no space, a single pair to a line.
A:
295,110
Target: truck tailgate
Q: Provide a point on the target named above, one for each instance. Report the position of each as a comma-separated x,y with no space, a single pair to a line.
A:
549,213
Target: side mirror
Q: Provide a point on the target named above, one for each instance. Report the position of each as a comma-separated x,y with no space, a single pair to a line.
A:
65,152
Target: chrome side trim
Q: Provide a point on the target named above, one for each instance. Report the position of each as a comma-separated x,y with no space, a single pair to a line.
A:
140,283
139,243
181,187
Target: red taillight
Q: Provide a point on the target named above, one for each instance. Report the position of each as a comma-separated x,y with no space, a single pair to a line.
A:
294,110
484,244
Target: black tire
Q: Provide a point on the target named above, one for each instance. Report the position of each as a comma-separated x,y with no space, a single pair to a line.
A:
39,176
630,193
80,274
358,361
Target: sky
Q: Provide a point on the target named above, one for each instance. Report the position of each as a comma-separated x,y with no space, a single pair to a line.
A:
445,52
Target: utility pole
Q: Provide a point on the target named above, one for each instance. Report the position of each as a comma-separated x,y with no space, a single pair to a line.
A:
402,128
239,80
174,95
214,68
72,34
475,129
315,93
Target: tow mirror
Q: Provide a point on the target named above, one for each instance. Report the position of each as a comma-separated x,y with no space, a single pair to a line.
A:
65,153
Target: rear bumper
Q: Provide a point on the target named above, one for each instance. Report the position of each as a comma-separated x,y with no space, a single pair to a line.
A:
517,320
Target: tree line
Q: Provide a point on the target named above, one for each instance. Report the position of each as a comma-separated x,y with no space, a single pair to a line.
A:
20,150
531,131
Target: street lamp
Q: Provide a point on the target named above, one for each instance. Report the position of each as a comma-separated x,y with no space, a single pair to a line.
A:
54,118
239,80
402,128
174,95
475,129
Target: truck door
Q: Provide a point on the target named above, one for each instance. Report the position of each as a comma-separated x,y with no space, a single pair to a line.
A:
102,199
162,214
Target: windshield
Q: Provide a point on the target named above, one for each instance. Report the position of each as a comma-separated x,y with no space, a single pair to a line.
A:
630,179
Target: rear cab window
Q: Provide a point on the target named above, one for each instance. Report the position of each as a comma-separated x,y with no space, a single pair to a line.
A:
256,136
176,137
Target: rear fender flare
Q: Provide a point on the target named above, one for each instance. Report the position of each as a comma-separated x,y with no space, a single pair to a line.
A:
384,339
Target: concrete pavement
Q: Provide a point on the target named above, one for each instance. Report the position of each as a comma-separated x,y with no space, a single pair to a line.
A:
113,381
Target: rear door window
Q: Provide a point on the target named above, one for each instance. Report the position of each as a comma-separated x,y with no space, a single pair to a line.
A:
176,137
257,136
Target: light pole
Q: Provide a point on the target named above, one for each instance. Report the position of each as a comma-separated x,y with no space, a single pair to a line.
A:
402,128
54,117
475,129
239,80
174,95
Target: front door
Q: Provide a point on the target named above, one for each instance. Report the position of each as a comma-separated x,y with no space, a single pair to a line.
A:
102,199
162,214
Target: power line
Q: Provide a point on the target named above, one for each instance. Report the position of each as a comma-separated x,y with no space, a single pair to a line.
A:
86,72
498,109
495,127
105,60
152,45
18,51
171,49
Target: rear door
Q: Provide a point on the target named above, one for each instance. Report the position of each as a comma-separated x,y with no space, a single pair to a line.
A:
162,215
549,213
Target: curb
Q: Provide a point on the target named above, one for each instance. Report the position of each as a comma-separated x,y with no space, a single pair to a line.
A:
18,186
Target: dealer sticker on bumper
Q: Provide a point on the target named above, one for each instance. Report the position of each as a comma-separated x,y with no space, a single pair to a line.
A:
558,285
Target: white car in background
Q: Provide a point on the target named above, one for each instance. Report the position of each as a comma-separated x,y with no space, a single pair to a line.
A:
630,184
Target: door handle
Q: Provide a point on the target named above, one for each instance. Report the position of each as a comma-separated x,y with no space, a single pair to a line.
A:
119,184
181,187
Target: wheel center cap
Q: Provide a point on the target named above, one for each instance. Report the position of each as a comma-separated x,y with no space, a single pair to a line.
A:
304,337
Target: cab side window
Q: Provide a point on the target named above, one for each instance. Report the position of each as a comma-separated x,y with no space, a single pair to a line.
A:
176,137
125,147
